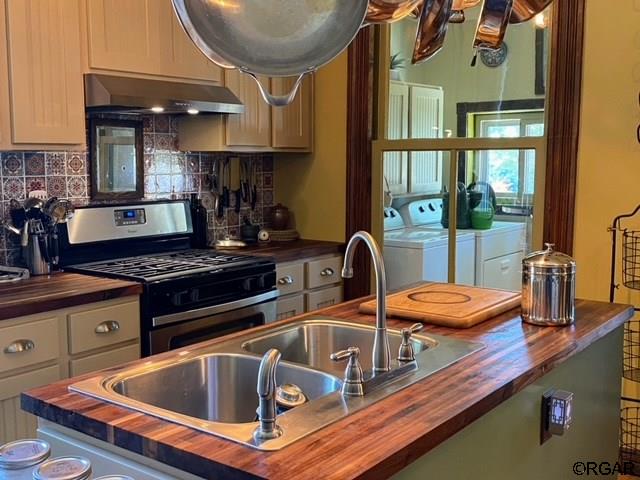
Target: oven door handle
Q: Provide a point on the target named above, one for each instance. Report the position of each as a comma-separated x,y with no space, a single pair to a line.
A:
213,310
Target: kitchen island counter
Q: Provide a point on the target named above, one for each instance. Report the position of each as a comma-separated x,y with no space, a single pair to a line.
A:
380,440
289,251
59,290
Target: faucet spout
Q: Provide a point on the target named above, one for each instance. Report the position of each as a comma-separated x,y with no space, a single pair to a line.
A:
266,387
381,350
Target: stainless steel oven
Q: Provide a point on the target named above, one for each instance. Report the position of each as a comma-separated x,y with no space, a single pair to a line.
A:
192,326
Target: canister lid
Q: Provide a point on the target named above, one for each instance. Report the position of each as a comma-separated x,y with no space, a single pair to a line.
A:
23,454
114,477
64,468
549,258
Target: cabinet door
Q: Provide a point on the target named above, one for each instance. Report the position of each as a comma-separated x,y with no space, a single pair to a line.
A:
251,128
180,57
292,125
16,424
125,35
395,163
5,114
504,273
426,120
45,78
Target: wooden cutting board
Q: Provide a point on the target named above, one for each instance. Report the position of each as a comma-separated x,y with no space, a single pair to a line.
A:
447,305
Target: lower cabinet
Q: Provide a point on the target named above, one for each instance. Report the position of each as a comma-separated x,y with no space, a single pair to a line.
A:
308,284
40,349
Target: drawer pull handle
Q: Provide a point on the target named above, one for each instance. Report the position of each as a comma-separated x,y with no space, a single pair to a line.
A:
20,346
286,280
109,326
327,272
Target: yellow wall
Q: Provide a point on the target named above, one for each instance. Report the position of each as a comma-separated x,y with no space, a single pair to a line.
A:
314,186
609,156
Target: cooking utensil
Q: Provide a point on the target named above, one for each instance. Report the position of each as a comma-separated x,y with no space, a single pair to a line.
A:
525,10
492,25
11,228
389,11
24,234
33,207
548,288
432,28
448,305
275,38
458,8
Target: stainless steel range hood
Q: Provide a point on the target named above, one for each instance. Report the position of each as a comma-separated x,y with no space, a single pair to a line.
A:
108,93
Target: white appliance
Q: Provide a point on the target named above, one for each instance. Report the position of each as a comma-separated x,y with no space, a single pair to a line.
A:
415,254
498,251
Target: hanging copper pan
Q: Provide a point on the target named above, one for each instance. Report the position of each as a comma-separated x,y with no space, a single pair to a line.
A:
389,11
492,24
458,8
432,28
525,10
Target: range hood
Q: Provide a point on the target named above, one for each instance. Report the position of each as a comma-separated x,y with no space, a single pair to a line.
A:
109,93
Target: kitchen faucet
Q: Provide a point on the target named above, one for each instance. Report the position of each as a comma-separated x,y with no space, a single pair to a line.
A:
381,351
268,429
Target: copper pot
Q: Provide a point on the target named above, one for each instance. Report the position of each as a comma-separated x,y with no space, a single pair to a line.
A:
389,11
525,10
432,28
492,25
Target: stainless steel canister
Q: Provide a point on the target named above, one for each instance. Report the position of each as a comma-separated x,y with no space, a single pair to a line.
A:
548,288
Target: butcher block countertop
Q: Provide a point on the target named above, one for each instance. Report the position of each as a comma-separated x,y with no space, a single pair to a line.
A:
290,251
59,290
373,443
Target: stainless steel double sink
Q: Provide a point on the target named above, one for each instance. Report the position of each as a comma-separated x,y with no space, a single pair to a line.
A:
212,388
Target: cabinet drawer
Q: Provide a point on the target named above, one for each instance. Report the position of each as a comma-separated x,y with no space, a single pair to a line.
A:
290,278
290,307
323,298
501,243
503,272
104,360
102,327
39,342
325,271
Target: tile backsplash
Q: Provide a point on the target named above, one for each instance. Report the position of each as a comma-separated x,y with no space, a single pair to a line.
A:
167,172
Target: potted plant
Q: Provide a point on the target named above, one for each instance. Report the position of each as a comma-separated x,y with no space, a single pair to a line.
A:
395,65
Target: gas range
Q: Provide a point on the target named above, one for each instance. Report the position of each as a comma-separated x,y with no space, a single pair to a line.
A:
188,295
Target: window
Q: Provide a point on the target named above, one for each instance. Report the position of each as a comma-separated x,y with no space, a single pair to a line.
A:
511,173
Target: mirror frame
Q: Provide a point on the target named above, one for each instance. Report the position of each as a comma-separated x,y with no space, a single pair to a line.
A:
137,125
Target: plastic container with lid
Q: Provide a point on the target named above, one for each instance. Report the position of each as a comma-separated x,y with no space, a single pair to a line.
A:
64,468
548,288
114,477
19,459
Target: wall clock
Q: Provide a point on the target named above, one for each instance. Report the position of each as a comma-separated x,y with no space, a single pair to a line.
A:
494,58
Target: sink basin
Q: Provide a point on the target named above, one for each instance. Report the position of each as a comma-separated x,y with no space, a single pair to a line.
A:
312,342
212,387
217,387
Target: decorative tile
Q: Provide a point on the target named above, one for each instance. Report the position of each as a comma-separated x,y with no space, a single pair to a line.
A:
162,124
34,163
149,164
178,164
233,219
177,183
77,187
163,183
12,164
14,258
162,163
221,233
163,142
3,257
55,163
234,232
13,187
267,197
208,200
148,143
205,182
57,186
256,216
35,183
76,164
80,202
267,164
192,183
147,123
267,180
192,164
149,184
174,124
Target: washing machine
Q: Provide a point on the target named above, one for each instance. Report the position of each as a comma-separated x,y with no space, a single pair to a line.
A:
412,255
498,251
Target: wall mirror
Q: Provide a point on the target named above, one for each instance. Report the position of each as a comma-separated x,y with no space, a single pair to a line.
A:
116,159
